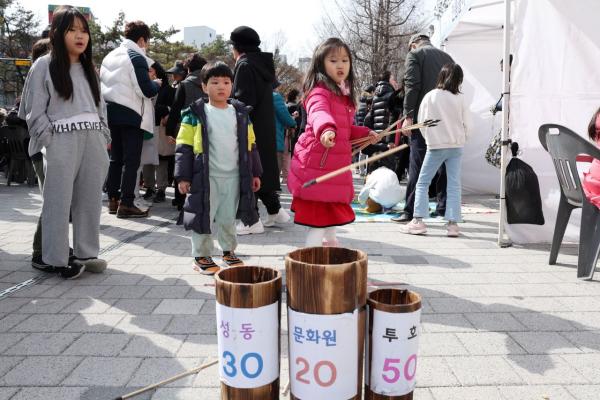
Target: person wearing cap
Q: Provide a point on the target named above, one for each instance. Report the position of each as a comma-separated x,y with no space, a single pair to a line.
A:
422,67
254,75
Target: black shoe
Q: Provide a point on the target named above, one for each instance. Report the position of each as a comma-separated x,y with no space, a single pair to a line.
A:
160,196
149,194
39,264
435,214
403,217
71,271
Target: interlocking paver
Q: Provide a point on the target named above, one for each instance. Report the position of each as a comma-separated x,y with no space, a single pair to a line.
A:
40,371
103,371
42,344
98,344
488,370
535,392
45,393
466,393
153,345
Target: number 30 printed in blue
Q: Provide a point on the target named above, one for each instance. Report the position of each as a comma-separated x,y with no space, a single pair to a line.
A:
229,365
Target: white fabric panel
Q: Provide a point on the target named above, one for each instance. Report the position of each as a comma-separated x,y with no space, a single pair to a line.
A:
479,55
555,79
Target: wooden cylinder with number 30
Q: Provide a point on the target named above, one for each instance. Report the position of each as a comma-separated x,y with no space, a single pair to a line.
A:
248,332
392,347
326,298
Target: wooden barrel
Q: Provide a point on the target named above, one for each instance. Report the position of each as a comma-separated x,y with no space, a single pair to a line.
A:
248,330
392,348
326,285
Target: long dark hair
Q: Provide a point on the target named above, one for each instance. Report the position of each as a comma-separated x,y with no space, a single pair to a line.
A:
60,65
450,78
592,126
316,72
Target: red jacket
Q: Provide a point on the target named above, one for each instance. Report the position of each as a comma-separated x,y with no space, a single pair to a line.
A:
591,182
325,110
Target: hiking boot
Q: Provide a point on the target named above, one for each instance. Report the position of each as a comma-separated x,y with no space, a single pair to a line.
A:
242,229
39,264
159,197
149,194
205,265
415,227
231,259
93,264
71,271
130,212
113,205
280,218
453,230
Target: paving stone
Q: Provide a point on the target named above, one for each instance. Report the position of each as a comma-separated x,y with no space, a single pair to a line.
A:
153,345
453,305
125,292
200,346
103,371
422,394
179,306
40,371
167,292
157,369
584,392
45,306
93,323
586,364
44,323
432,323
10,304
489,343
544,322
187,394
7,340
133,306
434,371
88,306
85,292
42,344
193,325
6,393
466,393
586,341
544,343
98,344
143,323
535,392
46,393
545,370
208,378
488,370
440,344
495,322
7,363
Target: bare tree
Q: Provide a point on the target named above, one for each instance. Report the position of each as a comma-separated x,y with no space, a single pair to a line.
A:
377,32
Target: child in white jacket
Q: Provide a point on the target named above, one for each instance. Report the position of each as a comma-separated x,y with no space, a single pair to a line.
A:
445,144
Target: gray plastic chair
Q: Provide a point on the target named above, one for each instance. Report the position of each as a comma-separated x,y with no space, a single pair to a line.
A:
564,146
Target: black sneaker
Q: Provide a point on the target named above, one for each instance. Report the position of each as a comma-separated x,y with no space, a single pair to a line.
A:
71,271
205,265
160,196
231,259
39,264
149,194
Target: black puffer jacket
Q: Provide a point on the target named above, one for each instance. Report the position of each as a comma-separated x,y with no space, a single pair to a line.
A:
381,110
364,105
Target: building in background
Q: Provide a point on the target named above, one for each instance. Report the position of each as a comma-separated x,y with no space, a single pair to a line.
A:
198,35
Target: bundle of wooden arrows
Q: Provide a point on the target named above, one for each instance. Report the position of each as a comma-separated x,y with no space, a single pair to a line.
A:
360,144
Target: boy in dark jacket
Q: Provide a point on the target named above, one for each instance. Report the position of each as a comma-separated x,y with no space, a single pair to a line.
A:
218,167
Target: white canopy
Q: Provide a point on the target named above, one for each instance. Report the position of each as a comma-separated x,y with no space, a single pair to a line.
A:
555,79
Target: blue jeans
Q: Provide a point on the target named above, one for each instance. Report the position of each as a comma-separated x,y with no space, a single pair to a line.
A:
433,161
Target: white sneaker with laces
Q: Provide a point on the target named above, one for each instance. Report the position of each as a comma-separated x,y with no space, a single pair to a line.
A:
280,218
414,227
242,229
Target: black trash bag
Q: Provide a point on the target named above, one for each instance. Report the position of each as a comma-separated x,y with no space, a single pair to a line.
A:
523,200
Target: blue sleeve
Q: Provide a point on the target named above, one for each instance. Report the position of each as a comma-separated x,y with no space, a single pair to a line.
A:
281,111
140,66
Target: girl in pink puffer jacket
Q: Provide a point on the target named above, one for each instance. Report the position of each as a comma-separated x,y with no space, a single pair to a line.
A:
591,180
325,145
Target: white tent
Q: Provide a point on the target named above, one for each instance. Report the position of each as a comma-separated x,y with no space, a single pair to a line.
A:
556,48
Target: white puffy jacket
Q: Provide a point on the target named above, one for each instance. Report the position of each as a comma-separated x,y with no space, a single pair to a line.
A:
119,83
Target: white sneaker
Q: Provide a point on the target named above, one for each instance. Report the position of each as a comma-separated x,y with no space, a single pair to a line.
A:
414,227
242,229
280,218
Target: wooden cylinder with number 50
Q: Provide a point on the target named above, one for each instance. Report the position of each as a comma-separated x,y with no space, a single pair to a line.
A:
326,298
248,332
393,342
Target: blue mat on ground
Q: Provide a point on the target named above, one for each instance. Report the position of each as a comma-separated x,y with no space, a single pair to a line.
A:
386,216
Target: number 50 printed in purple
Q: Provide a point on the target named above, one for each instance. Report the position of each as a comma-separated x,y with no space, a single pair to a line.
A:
393,369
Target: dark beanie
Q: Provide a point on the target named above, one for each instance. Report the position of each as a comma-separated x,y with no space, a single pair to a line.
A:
244,38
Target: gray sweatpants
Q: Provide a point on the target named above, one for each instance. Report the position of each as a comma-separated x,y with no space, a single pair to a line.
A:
76,165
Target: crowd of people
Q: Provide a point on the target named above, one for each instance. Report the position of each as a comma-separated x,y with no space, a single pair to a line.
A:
227,138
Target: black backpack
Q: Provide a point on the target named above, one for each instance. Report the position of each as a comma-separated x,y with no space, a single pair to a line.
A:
523,200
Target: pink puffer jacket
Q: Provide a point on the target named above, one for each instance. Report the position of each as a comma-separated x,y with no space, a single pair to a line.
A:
591,182
325,110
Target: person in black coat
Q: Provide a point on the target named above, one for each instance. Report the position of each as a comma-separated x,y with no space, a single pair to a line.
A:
422,67
295,109
254,75
364,105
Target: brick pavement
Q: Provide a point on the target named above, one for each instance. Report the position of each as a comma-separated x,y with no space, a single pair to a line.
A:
497,323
